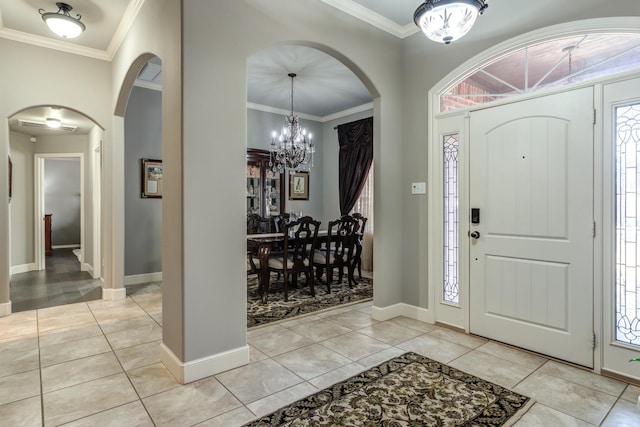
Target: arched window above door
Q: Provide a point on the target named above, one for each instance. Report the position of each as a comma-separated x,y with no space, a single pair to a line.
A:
545,65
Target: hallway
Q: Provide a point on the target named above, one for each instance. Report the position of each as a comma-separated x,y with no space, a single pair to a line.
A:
60,283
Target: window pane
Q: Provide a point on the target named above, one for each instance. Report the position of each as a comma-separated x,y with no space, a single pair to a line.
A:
549,64
451,286
627,232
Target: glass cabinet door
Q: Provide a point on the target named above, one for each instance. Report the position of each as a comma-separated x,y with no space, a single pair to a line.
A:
254,187
265,188
272,193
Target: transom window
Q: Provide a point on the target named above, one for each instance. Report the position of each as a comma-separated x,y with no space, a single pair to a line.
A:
545,65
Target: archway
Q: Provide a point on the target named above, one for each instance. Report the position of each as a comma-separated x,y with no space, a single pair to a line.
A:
72,194
328,90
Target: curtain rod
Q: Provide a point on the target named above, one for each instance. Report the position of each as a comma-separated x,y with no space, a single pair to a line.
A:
336,127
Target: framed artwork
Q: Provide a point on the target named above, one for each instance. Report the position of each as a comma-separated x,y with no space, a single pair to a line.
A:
299,186
151,178
10,177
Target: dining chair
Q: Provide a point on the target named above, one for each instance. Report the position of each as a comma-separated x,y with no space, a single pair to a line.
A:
357,259
297,252
337,250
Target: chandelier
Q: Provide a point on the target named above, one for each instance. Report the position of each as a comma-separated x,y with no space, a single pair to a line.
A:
62,23
293,149
447,20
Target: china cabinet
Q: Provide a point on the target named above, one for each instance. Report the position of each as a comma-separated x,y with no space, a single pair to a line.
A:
265,188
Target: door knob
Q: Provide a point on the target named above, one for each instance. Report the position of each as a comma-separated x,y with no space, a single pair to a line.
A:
474,234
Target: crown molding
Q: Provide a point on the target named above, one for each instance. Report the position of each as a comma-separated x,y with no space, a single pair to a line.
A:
370,17
148,85
320,119
49,43
129,15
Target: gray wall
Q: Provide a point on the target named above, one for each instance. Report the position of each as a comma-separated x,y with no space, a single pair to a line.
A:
62,199
21,206
143,217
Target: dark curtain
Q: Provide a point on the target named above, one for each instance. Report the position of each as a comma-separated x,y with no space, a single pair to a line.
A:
354,161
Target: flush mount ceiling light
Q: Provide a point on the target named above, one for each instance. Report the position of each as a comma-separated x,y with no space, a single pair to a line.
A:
444,21
53,123
62,23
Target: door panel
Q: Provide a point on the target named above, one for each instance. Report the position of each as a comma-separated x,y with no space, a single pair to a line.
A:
532,178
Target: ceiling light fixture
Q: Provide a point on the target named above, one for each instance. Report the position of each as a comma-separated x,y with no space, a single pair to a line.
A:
447,20
62,23
53,123
294,149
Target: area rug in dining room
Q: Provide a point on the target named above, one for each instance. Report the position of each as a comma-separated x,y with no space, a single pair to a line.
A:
409,390
300,299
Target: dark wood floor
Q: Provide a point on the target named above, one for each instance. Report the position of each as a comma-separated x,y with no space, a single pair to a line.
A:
60,283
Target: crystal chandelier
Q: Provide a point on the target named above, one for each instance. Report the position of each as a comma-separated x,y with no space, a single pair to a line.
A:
293,149
447,20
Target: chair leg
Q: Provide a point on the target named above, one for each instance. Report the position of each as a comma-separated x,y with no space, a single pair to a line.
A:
360,268
309,276
286,286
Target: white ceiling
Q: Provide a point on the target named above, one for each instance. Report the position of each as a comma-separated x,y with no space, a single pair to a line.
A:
324,87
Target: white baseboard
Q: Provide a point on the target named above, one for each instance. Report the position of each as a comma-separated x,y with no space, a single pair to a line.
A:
75,246
5,309
86,267
111,294
136,279
204,367
23,268
402,309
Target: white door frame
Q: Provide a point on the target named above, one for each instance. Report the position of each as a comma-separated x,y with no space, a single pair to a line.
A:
38,205
97,206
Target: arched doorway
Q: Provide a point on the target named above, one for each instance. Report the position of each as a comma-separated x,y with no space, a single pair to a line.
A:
54,169
325,93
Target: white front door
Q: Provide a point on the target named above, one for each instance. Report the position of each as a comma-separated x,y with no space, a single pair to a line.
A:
531,177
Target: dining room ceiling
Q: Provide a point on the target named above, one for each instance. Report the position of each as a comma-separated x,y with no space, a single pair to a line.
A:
324,86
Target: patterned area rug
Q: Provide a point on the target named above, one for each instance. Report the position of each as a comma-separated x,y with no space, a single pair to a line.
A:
410,390
300,299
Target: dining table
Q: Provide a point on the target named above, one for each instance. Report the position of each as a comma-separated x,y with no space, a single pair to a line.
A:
262,244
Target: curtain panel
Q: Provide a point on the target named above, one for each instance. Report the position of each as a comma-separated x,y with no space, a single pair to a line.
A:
354,161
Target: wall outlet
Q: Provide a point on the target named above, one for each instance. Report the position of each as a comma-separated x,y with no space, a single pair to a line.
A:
418,188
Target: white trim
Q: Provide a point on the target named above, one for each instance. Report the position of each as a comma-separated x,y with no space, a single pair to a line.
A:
148,85
321,119
74,246
38,205
22,268
88,268
402,309
203,367
124,26
97,209
136,279
373,18
126,22
49,43
112,294
5,309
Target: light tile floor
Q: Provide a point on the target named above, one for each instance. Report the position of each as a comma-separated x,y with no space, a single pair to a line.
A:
97,363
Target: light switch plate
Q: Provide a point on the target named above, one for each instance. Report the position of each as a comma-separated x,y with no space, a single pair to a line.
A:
418,188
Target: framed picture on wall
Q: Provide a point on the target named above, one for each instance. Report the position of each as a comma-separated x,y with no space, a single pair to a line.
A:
299,186
151,178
